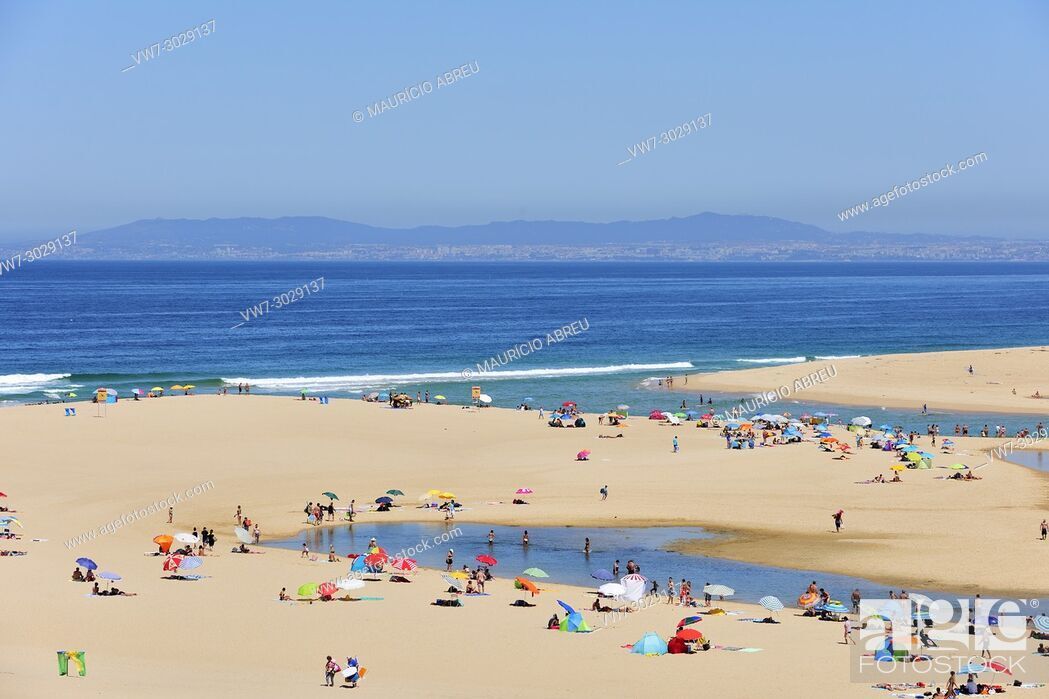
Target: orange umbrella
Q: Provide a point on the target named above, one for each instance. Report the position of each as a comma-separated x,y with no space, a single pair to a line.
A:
808,599
828,440
527,585
163,541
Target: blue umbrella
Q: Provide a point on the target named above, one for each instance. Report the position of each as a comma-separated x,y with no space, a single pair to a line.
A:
1041,622
910,448
971,669
384,500
106,575
528,400
885,428
190,562
566,607
833,607
358,565
86,563
602,574
926,455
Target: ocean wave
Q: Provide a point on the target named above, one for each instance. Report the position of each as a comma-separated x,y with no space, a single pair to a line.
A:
363,381
775,360
14,384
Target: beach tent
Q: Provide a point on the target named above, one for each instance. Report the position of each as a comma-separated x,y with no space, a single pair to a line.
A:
655,415
164,542
575,623
650,644
634,586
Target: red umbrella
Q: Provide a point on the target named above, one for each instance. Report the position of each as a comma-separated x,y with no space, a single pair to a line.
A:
172,562
3,495
327,589
568,403
689,635
999,667
404,564
486,559
376,558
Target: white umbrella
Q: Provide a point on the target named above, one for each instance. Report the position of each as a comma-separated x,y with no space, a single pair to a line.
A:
771,603
672,419
484,398
186,538
612,589
719,590
349,584
861,421
243,535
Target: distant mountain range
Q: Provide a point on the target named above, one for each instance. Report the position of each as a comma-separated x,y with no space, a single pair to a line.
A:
702,236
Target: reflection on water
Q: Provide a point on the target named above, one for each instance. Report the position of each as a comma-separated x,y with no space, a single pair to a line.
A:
559,552
1037,459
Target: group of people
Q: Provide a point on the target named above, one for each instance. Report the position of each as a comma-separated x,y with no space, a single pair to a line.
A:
351,675
317,511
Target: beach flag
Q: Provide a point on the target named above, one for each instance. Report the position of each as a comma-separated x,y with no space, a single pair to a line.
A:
77,657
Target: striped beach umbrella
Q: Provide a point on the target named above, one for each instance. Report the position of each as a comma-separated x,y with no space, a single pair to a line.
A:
771,603
406,564
834,607
1041,622
719,590
808,599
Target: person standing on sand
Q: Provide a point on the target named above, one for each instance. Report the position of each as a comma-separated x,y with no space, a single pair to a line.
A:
675,444
1045,529
837,520
847,627
257,533
305,551
171,515
238,514
970,374
670,590
330,668
604,494
856,601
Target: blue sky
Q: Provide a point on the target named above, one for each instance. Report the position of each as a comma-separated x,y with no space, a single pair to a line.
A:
815,106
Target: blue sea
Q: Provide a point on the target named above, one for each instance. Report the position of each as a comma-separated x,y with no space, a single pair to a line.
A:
416,326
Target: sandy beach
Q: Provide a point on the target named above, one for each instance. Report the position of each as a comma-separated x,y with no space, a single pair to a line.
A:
227,634
940,380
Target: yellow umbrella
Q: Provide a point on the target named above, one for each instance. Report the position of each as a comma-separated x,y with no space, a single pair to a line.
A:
898,468
446,496
913,456
178,387
188,386
434,491
157,388
458,575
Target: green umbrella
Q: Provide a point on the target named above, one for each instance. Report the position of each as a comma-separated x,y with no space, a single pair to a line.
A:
394,492
536,573
330,495
307,590
958,467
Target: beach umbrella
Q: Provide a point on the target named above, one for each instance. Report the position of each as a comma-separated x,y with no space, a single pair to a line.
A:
972,669
106,575
349,583
771,603
897,467
163,541
719,590
486,559
536,573
526,585
885,428
172,562
243,536
134,391
612,589
393,492
528,399
689,620
374,559
384,500
524,491
582,455
484,398
567,607
910,448
453,582
680,415
184,538
439,398
834,606
998,667
624,406
926,455
912,456
3,495
862,421
602,574
70,395
86,563
958,467
574,623
689,635
446,496
190,562
459,574
330,495
650,644
808,599
405,564
1041,622
8,519
634,586
188,386
178,387
358,564
307,589
327,589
